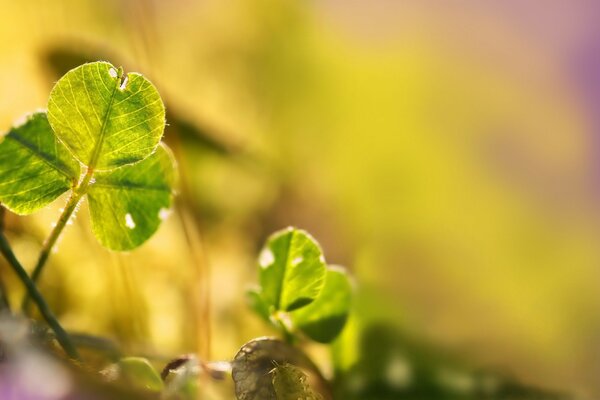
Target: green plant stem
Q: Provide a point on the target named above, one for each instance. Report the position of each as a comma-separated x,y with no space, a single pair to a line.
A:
61,335
288,335
4,302
70,207
98,343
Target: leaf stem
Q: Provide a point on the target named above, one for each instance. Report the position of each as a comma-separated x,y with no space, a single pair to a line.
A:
4,302
50,242
281,321
61,335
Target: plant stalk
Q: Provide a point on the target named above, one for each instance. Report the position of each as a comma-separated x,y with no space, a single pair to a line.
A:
4,302
50,242
288,335
61,335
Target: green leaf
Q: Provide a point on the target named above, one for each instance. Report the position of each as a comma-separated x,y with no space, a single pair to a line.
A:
323,319
138,372
106,119
291,383
292,269
258,304
35,168
128,204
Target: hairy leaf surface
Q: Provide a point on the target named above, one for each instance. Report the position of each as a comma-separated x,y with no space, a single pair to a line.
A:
35,168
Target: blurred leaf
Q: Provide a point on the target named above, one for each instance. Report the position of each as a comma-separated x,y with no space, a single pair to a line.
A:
127,204
66,55
181,381
323,319
252,365
138,372
258,304
35,168
290,383
393,365
292,269
106,119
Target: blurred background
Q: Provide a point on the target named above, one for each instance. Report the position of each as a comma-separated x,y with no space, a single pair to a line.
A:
446,152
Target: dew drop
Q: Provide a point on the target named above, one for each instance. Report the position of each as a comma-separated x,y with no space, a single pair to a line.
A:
112,72
22,120
266,258
164,213
297,261
124,83
129,222
398,372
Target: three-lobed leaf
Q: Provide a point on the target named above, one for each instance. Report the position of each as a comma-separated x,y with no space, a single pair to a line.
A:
35,168
323,319
295,279
110,123
292,270
105,118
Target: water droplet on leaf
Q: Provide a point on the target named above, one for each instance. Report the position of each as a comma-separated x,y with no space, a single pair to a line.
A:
129,222
266,258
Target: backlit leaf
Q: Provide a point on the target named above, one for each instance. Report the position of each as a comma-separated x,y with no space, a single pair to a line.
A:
292,269
138,372
128,204
258,304
323,319
35,168
105,118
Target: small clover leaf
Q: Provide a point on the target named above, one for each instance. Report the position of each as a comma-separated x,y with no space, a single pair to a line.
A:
111,124
292,270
